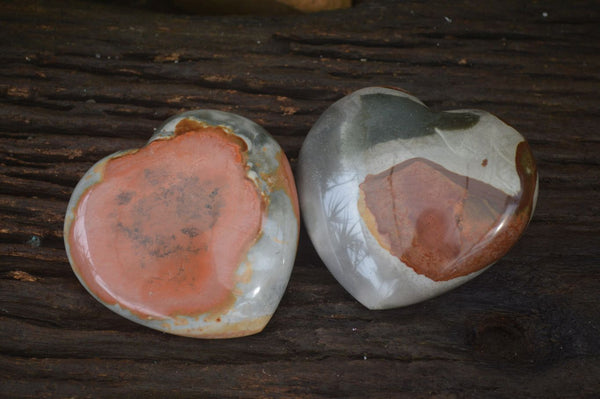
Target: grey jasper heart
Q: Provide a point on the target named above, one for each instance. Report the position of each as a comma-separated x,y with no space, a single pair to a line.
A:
403,203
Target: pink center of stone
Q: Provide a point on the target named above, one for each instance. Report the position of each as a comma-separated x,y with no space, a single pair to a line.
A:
165,231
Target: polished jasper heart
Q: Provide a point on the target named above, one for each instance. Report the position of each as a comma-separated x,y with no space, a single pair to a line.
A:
195,233
403,203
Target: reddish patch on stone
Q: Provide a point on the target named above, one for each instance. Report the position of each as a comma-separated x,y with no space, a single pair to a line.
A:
166,229
484,163
441,224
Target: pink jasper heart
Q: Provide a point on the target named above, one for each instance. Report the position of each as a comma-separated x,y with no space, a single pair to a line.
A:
403,203
195,233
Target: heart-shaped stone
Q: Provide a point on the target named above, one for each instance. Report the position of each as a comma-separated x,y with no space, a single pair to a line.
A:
403,203
195,233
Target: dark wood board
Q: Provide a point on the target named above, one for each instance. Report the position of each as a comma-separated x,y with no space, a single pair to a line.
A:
80,80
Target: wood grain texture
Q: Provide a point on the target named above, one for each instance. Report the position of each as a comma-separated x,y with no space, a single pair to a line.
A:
80,80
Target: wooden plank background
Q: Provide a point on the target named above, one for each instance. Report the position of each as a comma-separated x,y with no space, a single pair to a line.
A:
80,80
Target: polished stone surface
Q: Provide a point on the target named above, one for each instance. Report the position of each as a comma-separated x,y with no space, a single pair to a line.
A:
403,203
193,234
